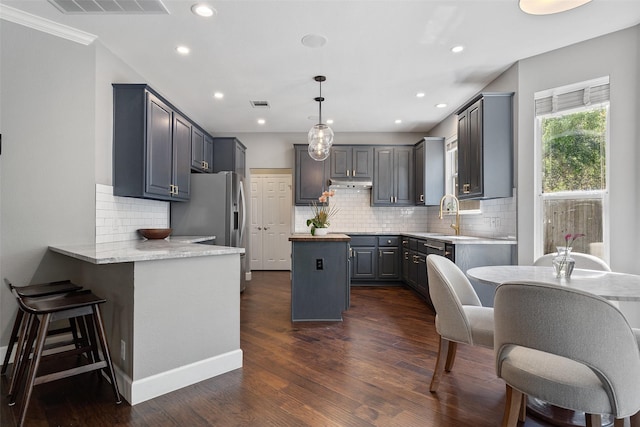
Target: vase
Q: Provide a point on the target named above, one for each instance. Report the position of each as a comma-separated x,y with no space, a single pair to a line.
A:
321,231
563,263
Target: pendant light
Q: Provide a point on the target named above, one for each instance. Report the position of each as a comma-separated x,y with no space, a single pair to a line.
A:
320,136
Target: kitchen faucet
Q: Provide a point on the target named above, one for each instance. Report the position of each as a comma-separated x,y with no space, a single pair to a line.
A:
455,226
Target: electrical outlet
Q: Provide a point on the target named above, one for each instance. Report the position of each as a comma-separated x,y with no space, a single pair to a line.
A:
319,264
123,349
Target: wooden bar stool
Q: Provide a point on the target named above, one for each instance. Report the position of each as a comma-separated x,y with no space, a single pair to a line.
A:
40,312
35,291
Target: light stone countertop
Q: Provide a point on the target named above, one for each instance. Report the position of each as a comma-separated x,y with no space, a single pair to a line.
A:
145,250
458,240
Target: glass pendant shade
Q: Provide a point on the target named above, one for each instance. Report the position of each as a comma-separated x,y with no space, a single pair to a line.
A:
318,151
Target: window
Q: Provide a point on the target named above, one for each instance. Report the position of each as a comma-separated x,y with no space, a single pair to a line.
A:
572,140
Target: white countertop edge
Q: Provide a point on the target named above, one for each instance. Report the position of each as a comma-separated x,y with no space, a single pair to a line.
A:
144,250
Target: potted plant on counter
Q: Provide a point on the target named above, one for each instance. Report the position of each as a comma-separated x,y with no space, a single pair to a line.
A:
321,214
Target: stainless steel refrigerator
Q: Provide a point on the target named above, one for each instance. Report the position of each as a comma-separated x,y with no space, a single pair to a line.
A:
216,207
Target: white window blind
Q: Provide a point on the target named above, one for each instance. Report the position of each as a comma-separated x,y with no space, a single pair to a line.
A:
557,102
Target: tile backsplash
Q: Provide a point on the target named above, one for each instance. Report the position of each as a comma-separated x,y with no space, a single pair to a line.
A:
496,220
119,218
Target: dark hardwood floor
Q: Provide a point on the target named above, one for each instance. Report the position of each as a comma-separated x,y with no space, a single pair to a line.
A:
373,368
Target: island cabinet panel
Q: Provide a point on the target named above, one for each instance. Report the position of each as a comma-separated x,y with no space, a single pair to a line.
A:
393,176
151,145
310,177
229,154
351,162
319,280
485,147
429,177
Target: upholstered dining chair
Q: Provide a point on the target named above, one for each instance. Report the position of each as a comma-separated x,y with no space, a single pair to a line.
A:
567,347
460,317
590,262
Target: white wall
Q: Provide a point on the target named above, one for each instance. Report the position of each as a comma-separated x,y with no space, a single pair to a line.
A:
614,55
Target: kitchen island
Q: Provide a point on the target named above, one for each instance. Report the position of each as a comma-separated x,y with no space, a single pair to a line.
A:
319,277
172,313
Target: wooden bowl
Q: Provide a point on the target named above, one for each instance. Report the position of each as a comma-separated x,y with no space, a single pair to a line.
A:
155,233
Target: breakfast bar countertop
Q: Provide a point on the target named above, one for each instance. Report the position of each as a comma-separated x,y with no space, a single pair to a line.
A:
144,250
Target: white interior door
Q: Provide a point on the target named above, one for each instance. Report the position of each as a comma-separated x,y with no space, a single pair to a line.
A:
271,222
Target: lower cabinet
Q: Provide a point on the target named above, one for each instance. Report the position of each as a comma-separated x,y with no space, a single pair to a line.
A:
375,260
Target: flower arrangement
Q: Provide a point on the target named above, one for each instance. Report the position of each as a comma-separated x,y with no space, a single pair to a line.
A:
563,263
322,213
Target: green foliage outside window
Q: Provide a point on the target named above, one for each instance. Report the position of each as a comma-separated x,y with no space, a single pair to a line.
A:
573,151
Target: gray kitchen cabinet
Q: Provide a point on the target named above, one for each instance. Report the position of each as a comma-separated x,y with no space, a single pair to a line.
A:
375,260
485,147
319,279
229,154
351,162
393,176
201,151
151,145
389,267
429,159
310,176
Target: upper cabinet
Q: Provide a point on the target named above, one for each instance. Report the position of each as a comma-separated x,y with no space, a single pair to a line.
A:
353,162
151,145
429,156
393,176
485,147
229,154
310,176
201,151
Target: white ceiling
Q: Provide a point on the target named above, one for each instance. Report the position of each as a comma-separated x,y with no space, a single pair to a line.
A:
379,54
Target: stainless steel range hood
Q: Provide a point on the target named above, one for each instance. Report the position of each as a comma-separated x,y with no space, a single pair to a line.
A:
348,183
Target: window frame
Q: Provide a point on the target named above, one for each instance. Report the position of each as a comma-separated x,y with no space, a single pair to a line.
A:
602,194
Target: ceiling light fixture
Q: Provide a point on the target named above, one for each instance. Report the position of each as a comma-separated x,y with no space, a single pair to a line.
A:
442,105
261,121
398,121
329,121
548,7
182,50
320,136
218,95
203,9
457,49
420,95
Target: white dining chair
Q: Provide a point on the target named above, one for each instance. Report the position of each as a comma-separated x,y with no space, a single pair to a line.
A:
586,261
567,347
460,316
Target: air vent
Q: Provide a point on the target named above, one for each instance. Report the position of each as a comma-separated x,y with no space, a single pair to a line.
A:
136,7
260,104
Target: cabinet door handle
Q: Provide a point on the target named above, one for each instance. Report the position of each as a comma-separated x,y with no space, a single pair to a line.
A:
266,228
466,188
353,173
348,172
422,197
259,228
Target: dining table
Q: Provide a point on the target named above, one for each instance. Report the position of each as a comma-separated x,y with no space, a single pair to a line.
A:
620,288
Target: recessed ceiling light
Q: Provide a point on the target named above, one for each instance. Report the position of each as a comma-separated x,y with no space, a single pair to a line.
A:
218,95
420,94
183,50
442,105
261,121
398,121
330,121
457,49
203,9
313,40
546,7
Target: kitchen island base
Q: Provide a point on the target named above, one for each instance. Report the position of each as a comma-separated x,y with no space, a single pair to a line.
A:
171,320
319,277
